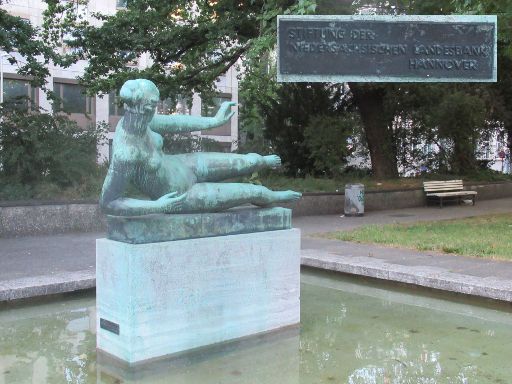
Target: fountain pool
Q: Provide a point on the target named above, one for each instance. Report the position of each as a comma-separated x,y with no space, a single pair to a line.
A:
351,331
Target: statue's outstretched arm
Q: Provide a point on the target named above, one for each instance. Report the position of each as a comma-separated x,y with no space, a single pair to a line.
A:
112,203
187,123
125,206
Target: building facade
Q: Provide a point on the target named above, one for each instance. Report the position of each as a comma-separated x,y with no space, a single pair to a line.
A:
104,109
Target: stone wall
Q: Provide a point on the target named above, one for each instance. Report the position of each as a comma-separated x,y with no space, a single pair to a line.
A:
333,203
23,220
31,219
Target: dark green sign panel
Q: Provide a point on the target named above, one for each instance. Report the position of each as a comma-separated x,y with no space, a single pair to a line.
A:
387,48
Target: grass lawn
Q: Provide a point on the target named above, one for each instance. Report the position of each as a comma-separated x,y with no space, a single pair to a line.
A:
487,236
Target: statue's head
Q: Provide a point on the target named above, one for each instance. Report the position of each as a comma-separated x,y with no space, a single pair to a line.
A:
140,96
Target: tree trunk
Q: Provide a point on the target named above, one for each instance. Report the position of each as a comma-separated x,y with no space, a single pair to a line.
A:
463,159
377,129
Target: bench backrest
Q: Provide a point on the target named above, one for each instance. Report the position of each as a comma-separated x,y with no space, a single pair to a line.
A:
442,186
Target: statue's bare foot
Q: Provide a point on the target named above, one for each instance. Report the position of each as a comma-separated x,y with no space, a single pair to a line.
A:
280,197
287,196
273,161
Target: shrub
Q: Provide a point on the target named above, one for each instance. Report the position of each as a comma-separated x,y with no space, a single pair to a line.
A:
39,148
326,138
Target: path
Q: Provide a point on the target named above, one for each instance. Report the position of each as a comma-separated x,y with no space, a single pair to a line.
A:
32,266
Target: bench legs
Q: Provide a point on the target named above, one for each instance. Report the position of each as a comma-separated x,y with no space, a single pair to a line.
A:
459,199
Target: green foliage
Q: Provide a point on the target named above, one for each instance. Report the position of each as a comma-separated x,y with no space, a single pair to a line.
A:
451,117
327,137
40,148
19,35
501,8
399,7
190,43
287,117
251,131
460,119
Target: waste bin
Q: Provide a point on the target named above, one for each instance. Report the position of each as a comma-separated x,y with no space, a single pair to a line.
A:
354,200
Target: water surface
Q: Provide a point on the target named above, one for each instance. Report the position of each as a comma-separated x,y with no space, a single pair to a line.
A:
350,333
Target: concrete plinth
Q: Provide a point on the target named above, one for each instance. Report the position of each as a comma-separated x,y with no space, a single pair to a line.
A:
159,299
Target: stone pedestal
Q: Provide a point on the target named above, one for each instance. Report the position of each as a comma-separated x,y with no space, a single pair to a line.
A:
167,297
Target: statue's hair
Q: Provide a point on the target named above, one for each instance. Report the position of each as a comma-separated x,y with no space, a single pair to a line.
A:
139,93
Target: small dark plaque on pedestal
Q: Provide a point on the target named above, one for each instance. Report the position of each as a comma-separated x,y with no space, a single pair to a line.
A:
109,326
387,48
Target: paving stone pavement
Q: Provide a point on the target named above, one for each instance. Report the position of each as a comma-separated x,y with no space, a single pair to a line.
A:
42,265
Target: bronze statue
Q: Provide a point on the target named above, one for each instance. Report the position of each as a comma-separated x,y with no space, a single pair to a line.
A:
184,183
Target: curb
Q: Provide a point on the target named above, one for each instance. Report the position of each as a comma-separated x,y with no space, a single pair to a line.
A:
46,285
429,277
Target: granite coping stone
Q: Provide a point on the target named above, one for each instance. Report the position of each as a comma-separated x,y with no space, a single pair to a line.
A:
162,227
25,288
424,276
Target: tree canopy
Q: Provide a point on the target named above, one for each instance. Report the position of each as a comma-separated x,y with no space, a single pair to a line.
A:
189,44
19,35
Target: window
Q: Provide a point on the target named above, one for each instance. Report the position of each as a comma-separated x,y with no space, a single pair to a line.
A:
19,94
72,99
121,3
210,110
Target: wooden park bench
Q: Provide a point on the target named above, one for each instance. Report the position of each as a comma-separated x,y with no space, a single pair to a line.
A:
447,190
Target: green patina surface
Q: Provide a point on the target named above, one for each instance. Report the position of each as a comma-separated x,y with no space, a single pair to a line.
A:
186,183
157,228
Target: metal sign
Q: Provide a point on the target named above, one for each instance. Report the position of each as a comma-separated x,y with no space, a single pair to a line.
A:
387,48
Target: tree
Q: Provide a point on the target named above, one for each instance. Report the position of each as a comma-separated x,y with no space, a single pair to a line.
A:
190,43
502,91
327,139
290,115
453,117
371,99
387,139
18,35
378,129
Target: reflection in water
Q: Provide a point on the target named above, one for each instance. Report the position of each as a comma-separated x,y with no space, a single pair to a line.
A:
273,358
392,337
350,333
48,343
